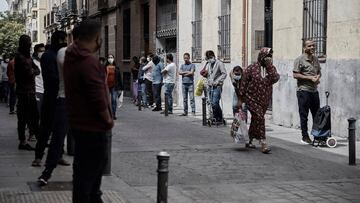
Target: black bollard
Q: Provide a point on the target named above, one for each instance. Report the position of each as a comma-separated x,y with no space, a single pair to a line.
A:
204,111
166,105
163,175
107,170
352,141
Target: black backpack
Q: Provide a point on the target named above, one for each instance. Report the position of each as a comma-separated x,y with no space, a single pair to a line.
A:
322,121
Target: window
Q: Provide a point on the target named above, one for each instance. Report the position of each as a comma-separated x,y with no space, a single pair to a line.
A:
45,21
224,31
314,24
197,32
259,39
34,3
34,36
126,34
106,40
34,15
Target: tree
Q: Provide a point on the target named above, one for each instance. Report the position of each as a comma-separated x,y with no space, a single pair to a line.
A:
12,26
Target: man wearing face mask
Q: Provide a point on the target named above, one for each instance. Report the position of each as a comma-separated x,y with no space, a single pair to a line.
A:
39,50
235,76
89,111
148,68
4,80
50,75
215,80
25,71
256,91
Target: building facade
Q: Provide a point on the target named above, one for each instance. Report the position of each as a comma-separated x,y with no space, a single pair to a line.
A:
229,28
334,26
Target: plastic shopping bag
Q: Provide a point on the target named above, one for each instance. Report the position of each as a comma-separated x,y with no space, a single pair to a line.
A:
199,87
239,131
120,99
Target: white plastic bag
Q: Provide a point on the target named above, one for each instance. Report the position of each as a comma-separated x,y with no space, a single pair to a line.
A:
120,99
239,131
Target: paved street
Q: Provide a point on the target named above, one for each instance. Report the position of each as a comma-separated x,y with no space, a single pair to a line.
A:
205,166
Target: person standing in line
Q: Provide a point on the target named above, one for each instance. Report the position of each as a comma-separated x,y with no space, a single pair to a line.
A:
114,81
5,78
12,94
141,81
216,74
135,72
25,71
256,91
50,75
169,73
235,76
39,50
148,68
307,71
157,82
61,126
187,71
89,112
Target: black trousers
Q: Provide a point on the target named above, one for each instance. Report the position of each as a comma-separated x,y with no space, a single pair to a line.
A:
149,92
60,130
307,101
89,163
46,124
27,114
12,97
157,95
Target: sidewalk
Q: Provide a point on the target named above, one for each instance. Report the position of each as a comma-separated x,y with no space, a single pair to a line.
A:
205,165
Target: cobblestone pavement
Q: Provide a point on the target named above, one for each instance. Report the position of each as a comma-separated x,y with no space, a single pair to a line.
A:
205,166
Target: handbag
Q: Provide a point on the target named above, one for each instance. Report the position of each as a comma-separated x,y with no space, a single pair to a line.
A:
239,131
204,72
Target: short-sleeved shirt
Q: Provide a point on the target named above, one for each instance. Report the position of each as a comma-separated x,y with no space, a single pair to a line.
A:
170,75
187,67
307,67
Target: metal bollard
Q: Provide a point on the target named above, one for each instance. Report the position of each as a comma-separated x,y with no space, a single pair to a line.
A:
166,105
163,175
352,141
107,170
204,111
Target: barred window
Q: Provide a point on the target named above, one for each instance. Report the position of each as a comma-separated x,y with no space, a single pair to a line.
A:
224,38
259,39
126,34
314,24
196,40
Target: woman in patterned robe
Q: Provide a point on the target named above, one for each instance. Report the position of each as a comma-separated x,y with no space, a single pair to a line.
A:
256,91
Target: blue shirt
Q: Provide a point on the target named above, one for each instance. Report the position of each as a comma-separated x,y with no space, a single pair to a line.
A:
187,67
156,73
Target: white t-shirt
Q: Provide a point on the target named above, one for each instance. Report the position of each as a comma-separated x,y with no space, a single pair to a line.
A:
170,75
39,83
60,64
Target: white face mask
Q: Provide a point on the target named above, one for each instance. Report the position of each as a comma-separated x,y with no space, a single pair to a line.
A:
6,60
40,54
212,60
111,61
237,77
148,59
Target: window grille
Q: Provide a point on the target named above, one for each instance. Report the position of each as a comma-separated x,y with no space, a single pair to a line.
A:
314,24
196,40
259,39
224,38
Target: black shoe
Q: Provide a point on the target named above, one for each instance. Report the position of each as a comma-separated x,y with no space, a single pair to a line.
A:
184,114
114,118
156,109
306,140
170,112
45,176
26,147
12,112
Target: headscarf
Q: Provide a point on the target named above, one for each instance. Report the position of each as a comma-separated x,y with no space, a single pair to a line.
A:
264,52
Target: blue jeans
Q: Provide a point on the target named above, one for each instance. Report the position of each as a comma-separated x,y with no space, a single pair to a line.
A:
188,91
143,93
169,87
157,95
214,97
113,96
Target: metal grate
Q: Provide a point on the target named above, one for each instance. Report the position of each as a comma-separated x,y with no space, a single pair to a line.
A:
314,24
196,40
224,38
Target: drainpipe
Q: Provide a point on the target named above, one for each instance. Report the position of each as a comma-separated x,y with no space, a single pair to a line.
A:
244,33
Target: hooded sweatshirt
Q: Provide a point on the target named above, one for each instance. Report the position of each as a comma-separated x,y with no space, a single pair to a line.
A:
86,90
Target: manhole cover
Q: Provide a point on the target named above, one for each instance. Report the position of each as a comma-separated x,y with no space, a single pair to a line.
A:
51,186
